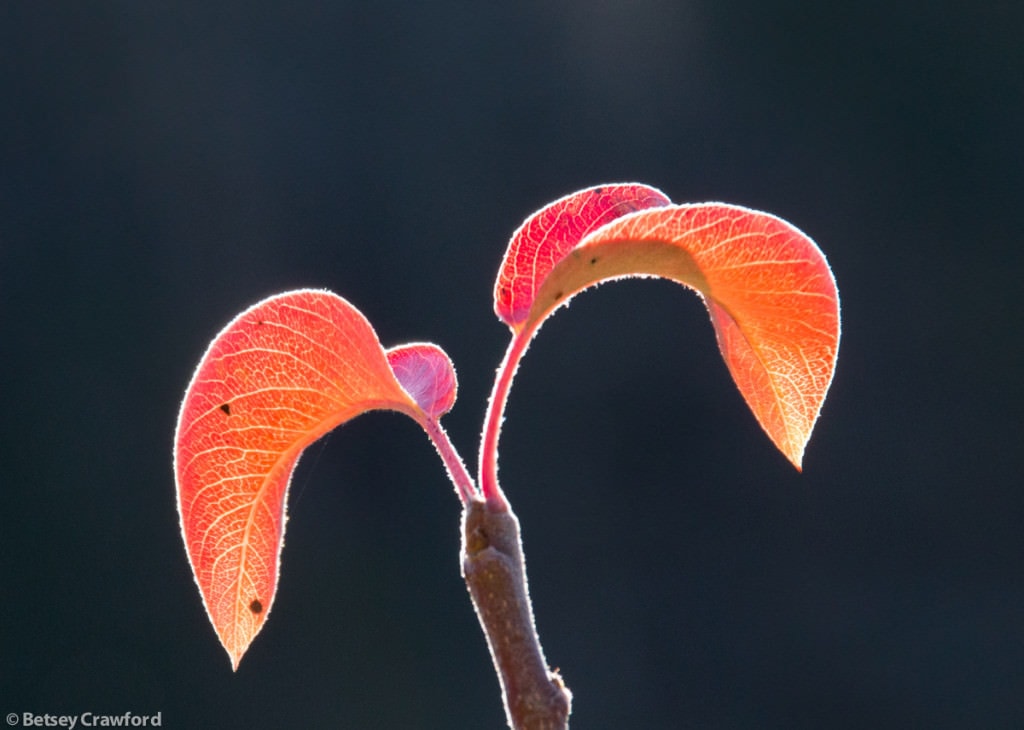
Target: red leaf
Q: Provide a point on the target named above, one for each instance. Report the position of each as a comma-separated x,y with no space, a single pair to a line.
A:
771,295
426,373
278,377
545,237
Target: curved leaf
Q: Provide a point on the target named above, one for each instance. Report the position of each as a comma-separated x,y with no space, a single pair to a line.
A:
427,375
279,376
546,236
768,288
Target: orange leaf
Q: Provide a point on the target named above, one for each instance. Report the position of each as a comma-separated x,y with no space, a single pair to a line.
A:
278,377
769,291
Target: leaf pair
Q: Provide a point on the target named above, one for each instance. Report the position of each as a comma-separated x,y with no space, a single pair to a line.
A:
767,287
278,377
294,366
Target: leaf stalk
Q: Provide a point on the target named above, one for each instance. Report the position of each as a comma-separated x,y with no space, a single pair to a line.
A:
494,418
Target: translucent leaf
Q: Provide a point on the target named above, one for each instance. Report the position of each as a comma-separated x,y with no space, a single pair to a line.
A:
548,235
427,375
278,377
768,288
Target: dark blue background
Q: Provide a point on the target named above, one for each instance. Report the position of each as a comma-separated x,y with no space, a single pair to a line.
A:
163,167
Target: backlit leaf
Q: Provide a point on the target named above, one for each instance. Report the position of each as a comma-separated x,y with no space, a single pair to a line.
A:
426,373
768,288
544,238
278,377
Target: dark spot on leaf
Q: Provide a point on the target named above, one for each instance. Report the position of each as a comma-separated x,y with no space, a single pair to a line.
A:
259,322
226,407
598,191
593,261
558,295
256,606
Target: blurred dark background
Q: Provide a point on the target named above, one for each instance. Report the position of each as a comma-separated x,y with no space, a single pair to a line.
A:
164,166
